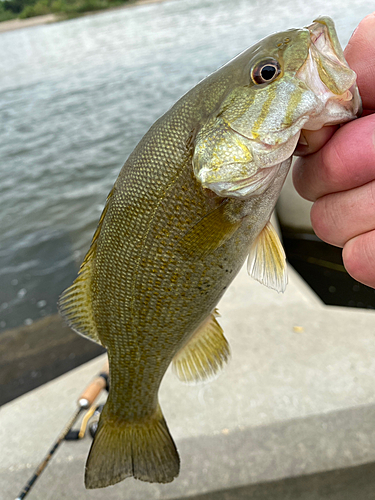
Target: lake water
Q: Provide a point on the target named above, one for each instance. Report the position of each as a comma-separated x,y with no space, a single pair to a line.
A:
76,97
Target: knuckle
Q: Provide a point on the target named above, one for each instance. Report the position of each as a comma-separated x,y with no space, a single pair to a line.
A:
358,257
326,219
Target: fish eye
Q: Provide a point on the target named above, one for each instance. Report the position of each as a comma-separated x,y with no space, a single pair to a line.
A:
265,71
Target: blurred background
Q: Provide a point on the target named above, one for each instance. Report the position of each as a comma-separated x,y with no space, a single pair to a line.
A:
75,98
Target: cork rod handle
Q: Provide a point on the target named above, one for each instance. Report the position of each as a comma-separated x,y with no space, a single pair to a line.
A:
93,390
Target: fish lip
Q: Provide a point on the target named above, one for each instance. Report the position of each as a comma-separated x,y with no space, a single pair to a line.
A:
315,36
328,50
326,73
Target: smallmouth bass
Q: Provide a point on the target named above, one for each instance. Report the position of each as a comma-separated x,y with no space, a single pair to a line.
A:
191,203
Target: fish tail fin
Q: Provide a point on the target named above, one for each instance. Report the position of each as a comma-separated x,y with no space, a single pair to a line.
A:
121,449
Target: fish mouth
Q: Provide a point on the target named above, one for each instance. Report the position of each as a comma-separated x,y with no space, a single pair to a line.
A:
327,74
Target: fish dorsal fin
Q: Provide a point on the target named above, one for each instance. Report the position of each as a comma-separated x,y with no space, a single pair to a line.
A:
75,304
208,234
266,262
206,353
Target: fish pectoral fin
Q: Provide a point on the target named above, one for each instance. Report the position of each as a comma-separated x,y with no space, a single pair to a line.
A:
204,356
208,234
75,306
266,262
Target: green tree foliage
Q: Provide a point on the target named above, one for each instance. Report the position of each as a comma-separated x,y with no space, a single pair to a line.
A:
16,6
5,15
10,9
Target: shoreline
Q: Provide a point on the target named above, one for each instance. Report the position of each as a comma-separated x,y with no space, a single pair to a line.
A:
15,24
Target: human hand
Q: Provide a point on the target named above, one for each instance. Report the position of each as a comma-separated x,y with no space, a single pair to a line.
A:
338,171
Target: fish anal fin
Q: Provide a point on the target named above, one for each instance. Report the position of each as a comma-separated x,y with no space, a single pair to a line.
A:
121,449
210,233
266,262
204,356
75,302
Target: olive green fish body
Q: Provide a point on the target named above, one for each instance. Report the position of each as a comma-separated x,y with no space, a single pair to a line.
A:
191,203
142,271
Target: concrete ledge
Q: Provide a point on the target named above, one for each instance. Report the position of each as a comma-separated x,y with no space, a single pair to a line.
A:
343,484
296,399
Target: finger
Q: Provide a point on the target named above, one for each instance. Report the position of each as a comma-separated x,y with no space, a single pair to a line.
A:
339,217
345,162
359,257
312,140
360,55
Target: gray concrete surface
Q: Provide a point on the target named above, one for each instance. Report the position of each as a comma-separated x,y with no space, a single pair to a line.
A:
296,399
354,483
292,210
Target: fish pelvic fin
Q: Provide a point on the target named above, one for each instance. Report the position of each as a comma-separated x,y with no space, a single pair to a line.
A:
75,304
266,262
210,233
142,449
205,355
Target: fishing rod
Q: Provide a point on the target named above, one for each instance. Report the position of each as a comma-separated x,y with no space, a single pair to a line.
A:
85,402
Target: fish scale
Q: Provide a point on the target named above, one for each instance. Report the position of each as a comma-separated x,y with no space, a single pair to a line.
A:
192,201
